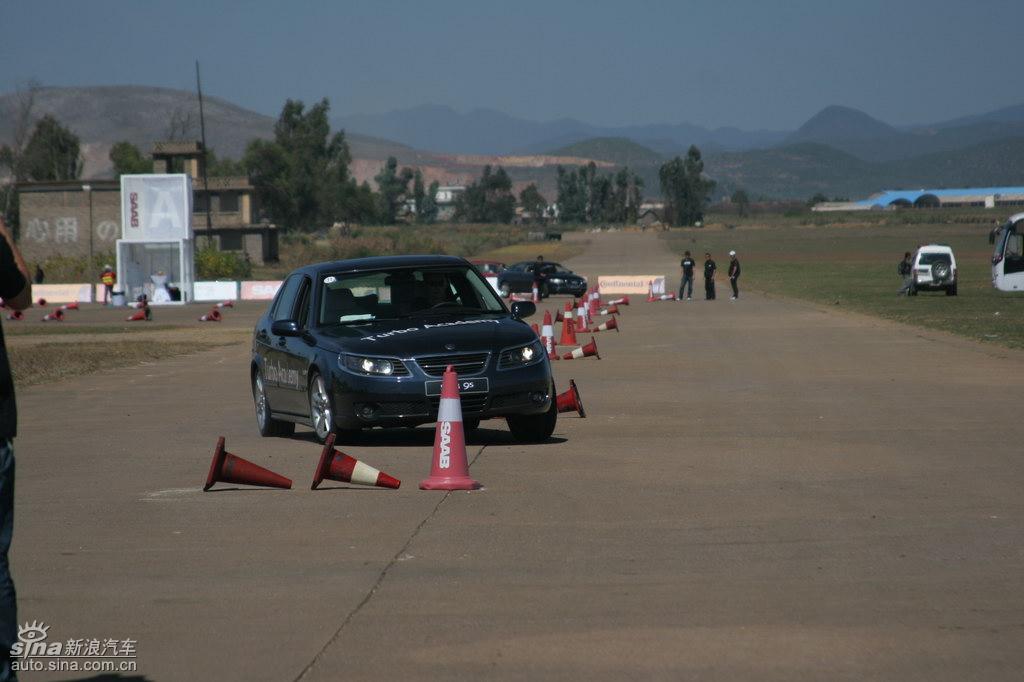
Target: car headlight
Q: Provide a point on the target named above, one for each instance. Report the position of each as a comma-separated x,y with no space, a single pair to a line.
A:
371,366
521,356
556,280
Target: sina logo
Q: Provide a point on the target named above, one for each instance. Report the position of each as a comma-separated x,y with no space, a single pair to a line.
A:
31,638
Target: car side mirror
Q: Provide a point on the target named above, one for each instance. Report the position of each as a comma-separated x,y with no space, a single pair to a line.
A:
521,309
285,328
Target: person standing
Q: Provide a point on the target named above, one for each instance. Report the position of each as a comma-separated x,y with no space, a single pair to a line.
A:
687,264
906,271
538,275
16,290
108,279
709,277
734,274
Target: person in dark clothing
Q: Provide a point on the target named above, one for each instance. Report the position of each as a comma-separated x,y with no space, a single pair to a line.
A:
734,274
709,277
687,264
539,274
40,275
16,290
906,271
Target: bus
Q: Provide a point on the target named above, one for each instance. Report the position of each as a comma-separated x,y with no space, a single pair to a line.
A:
1008,258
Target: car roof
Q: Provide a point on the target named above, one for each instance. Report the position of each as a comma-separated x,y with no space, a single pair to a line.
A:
380,263
936,248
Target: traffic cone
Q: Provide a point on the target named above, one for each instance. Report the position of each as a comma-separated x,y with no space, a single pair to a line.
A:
228,468
547,336
568,329
69,306
41,303
570,401
583,352
607,326
226,304
581,318
15,315
610,310
212,316
56,316
536,293
449,468
559,316
138,316
650,292
535,328
620,301
337,466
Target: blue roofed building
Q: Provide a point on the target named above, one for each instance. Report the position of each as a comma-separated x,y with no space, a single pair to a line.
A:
980,197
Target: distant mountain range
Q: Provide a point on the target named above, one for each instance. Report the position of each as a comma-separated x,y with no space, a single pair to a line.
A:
838,151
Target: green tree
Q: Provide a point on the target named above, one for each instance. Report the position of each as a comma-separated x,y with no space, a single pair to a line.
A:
392,187
217,167
533,202
818,198
685,189
741,201
53,152
302,176
128,160
428,211
19,124
419,194
488,200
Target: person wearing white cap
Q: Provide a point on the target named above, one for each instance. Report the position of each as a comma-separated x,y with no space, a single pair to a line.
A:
734,274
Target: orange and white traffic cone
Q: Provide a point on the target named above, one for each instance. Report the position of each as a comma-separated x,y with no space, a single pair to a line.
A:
581,317
535,328
138,316
650,292
337,466
568,328
559,316
212,316
536,294
620,301
56,316
449,467
70,306
570,401
228,468
610,310
607,326
547,336
589,350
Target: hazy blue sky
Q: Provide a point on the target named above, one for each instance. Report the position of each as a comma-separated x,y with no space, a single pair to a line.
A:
748,63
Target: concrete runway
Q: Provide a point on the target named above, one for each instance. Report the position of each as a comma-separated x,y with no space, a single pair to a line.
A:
762,490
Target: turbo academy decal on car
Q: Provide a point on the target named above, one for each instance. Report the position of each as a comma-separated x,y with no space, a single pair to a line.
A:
398,332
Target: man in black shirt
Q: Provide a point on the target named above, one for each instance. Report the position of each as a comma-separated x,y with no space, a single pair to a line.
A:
688,265
734,274
906,271
538,275
17,294
709,277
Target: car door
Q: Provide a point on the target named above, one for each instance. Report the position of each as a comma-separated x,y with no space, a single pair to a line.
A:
275,363
297,354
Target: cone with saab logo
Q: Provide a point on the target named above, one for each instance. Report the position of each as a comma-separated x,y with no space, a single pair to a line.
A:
449,468
570,401
212,316
581,318
56,316
337,466
608,326
613,309
70,306
620,301
568,328
226,304
583,352
547,336
228,468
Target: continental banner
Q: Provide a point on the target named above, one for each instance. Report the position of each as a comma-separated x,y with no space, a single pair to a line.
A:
630,284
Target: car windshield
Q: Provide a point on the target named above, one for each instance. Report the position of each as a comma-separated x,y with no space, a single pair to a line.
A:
353,297
930,258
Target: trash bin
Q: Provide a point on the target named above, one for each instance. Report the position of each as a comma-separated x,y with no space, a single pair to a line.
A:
117,298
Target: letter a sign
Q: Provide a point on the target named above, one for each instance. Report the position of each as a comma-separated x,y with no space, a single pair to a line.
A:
156,207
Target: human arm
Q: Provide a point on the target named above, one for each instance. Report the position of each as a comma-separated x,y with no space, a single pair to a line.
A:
15,283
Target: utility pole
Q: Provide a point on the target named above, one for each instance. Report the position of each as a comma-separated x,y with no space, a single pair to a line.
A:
202,133
88,192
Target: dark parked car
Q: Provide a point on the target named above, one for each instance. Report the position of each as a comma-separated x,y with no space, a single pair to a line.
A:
489,267
361,343
558,280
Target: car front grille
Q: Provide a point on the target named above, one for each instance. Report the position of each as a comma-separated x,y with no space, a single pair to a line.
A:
465,364
471,404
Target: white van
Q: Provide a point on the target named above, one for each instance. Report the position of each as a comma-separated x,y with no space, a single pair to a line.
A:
934,269
1008,258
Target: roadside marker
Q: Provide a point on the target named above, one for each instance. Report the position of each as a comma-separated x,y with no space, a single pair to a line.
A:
228,468
337,466
449,467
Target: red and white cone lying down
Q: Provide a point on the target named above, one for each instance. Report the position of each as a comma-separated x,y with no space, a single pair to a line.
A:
607,326
70,306
337,466
56,316
139,315
589,350
226,304
652,297
15,315
570,401
610,310
212,316
228,468
620,301
449,467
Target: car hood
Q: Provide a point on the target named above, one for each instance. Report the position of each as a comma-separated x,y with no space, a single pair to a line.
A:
426,335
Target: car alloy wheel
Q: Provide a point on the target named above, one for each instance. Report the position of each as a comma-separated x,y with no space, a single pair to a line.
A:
321,417
259,396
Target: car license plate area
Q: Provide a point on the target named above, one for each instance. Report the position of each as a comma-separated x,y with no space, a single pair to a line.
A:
479,385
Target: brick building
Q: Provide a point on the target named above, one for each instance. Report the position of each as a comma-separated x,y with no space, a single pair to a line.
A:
79,217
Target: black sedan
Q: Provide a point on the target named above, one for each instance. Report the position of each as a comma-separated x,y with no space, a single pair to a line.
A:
557,279
362,343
